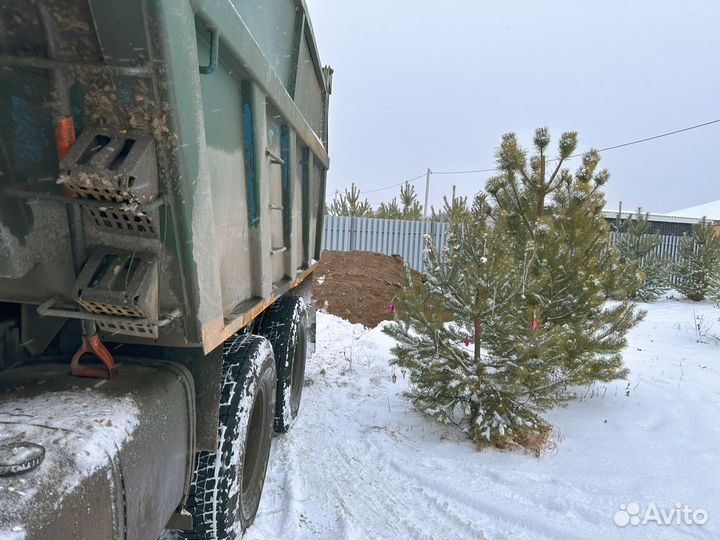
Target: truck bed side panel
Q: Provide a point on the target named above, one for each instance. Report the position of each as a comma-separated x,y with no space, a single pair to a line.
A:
235,100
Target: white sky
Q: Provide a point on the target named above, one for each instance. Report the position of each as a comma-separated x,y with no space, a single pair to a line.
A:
434,84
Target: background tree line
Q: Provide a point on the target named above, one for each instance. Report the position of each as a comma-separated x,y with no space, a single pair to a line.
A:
350,203
645,274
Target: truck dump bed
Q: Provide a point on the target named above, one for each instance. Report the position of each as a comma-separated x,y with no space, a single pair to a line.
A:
189,141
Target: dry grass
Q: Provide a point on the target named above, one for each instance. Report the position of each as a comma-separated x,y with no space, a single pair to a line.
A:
537,443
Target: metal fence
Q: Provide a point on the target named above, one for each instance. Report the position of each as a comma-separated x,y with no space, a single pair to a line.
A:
405,238
667,248
388,236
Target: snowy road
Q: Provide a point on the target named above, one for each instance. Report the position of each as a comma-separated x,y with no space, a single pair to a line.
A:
360,463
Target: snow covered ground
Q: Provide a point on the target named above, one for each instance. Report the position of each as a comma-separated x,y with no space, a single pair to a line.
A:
360,463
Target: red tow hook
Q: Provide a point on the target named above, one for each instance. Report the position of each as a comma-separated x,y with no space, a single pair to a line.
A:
93,345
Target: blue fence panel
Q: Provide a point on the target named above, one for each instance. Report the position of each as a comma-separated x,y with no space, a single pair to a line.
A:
388,236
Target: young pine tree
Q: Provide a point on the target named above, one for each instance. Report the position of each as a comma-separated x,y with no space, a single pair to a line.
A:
389,210
559,237
698,260
713,293
409,207
350,204
455,375
648,273
526,292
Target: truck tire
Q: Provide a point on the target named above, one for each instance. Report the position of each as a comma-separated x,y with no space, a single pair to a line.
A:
227,484
285,324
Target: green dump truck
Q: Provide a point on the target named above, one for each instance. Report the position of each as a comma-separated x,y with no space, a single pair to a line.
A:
162,184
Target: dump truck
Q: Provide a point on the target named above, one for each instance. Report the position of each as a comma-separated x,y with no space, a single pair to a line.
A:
162,186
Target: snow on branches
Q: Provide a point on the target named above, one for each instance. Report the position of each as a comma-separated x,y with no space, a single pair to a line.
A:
511,315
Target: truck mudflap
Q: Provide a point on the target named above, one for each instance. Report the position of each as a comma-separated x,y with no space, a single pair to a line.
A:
94,459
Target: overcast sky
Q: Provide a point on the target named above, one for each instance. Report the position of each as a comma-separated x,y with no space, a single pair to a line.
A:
422,83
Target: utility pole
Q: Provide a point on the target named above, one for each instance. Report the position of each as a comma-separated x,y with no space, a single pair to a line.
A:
427,192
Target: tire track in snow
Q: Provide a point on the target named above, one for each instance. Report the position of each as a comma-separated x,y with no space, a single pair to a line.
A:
353,482
362,495
387,501
516,518
433,514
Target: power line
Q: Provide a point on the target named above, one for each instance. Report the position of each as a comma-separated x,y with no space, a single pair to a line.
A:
656,136
336,192
394,185
622,145
464,172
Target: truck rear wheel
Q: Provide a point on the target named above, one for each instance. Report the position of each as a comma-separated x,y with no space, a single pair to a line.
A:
285,324
227,484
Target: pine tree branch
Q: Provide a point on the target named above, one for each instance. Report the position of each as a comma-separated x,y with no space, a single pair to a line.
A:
554,175
525,178
520,212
